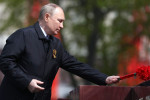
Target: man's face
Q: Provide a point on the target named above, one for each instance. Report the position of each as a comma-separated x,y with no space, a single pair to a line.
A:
54,22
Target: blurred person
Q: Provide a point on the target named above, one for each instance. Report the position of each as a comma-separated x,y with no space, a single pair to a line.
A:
32,56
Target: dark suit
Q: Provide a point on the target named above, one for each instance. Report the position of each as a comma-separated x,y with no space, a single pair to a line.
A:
24,57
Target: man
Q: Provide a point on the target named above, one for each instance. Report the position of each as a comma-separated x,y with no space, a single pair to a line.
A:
32,56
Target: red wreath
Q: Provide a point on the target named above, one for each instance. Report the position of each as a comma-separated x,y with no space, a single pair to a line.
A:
143,72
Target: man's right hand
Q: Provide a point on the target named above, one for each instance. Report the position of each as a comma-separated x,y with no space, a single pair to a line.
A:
34,86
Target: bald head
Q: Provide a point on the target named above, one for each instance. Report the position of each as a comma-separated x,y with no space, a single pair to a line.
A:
48,8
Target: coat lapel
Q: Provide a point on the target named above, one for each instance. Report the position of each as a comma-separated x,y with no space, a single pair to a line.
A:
43,39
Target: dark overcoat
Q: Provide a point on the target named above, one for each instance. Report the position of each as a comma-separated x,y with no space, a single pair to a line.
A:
25,57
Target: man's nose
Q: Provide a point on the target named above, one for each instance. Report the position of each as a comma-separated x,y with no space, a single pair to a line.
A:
61,25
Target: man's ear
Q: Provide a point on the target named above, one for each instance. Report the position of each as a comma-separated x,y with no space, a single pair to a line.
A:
46,17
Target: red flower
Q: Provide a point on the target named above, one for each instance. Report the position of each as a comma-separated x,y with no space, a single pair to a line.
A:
143,72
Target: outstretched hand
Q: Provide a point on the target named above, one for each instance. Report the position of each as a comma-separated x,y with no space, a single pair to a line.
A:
34,86
112,79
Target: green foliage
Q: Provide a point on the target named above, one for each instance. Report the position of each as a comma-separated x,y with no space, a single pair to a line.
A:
109,43
16,12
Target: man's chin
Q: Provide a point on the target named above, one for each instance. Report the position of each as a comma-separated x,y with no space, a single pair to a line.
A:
56,33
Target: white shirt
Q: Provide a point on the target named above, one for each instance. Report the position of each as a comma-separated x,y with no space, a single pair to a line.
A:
44,32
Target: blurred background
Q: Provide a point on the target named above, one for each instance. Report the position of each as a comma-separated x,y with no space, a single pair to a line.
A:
110,35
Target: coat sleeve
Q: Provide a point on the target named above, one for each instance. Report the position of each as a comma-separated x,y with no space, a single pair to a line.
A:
10,57
85,71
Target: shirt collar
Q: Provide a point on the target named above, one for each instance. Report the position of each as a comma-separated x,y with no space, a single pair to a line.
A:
43,31
40,31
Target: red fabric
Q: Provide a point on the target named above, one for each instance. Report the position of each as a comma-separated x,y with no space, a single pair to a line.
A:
54,95
35,10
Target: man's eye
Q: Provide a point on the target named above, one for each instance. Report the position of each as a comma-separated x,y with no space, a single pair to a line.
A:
60,21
